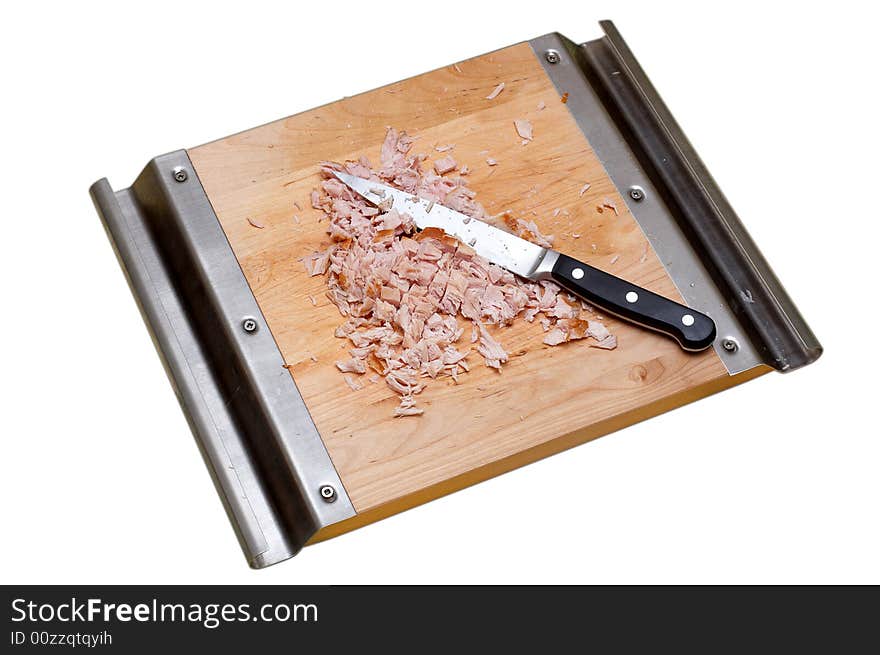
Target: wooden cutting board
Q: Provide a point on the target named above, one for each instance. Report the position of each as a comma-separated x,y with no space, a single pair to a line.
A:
545,399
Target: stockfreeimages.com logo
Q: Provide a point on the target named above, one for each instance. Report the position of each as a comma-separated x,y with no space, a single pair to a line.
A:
209,615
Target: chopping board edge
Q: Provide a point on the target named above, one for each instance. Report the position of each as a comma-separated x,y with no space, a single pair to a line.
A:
534,454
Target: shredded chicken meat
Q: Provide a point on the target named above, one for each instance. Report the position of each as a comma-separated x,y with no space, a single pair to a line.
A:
403,293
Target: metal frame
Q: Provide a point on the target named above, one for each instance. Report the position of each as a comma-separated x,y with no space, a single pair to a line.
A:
267,459
703,245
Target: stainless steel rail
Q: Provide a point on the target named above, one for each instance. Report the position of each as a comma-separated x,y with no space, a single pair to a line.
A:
264,453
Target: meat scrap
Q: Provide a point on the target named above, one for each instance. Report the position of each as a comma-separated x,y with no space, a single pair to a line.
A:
522,228
445,165
406,296
317,263
608,204
490,349
354,386
353,365
407,407
495,92
523,128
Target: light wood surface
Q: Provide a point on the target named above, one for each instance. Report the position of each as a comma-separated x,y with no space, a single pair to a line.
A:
545,399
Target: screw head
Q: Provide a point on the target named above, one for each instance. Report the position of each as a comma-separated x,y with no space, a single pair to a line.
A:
249,325
552,56
637,193
729,344
179,173
328,493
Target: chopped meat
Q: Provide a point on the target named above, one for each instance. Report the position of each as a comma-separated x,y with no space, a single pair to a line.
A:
407,407
524,229
445,148
523,128
584,189
353,365
608,343
317,263
495,92
360,168
555,336
255,222
354,386
607,204
408,411
597,330
491,162
562,309
614,259
445,165
541,105
490,349
403,293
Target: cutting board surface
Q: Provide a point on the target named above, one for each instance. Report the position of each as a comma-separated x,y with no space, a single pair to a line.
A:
544,395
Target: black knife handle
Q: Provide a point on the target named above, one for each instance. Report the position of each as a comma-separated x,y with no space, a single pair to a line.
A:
693,331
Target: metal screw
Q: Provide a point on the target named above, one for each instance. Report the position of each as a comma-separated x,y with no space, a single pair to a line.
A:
328,493
249,325
637,193
729,344
179,173
552,56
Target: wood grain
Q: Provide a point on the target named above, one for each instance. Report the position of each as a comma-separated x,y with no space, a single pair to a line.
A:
545,399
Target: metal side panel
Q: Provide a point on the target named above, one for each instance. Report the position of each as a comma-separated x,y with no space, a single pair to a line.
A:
707,252
264,453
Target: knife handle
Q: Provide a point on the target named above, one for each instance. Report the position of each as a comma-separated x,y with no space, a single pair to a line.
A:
693,331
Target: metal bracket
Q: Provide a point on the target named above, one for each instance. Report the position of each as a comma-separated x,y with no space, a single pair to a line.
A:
707,252
258,440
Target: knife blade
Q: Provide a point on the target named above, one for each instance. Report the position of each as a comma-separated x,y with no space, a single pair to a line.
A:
693,330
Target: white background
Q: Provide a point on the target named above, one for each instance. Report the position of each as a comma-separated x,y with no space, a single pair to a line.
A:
774,481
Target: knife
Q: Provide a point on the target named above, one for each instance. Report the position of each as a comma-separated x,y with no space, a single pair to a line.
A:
692,330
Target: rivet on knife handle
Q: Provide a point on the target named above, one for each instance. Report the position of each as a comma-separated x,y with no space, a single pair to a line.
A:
693,331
